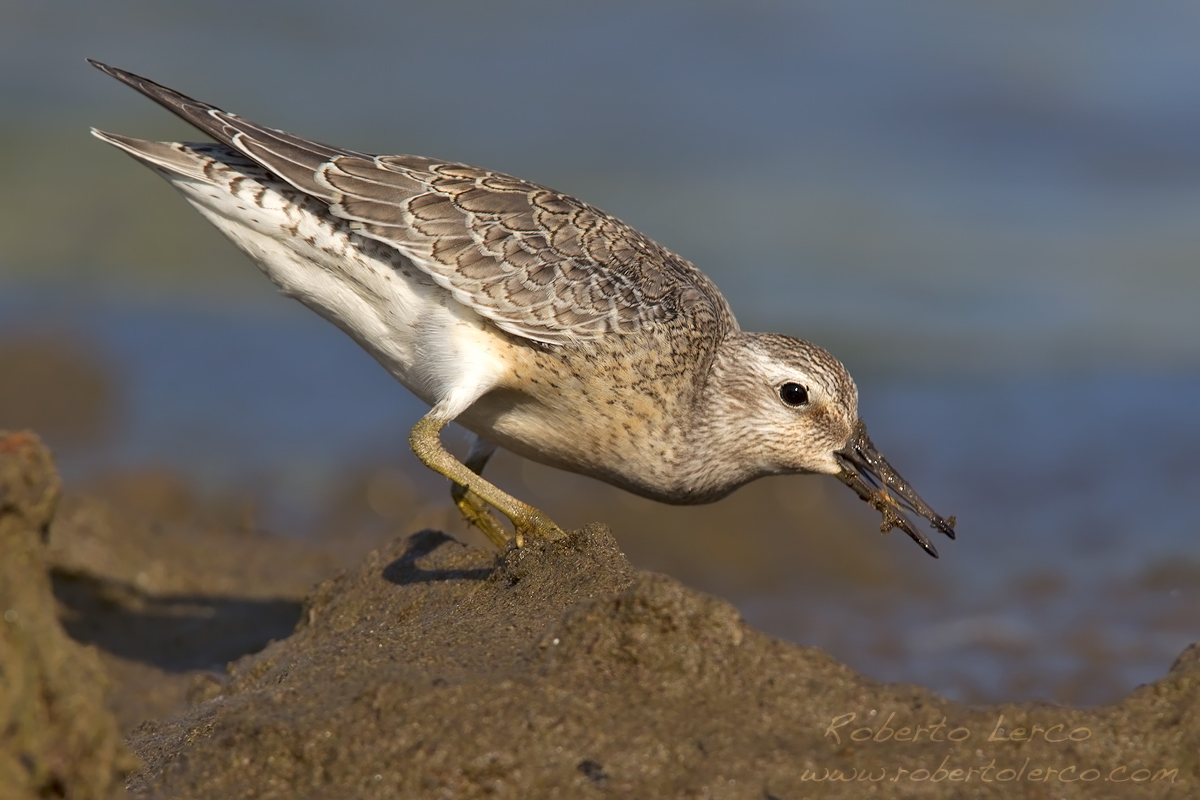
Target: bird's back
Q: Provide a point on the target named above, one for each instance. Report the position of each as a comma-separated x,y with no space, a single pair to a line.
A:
537,263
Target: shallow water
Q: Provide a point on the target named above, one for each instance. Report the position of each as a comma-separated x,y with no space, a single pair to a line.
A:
988,212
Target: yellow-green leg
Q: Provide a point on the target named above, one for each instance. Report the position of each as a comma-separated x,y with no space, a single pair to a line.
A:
472,505
426,442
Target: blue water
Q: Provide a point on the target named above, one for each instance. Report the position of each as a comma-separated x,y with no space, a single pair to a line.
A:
988,211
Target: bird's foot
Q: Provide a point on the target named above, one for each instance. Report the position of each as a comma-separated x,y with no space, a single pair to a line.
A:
476,511
527,520
533,523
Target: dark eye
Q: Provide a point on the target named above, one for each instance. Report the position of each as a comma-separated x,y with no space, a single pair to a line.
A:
793,394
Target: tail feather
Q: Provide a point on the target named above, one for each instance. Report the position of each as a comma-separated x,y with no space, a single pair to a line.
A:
170,157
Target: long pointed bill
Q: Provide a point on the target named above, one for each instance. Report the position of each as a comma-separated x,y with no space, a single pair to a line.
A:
870,476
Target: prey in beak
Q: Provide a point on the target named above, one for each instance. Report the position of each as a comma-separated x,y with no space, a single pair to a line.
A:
871,477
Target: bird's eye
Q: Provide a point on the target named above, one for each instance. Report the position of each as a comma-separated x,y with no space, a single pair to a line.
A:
793,394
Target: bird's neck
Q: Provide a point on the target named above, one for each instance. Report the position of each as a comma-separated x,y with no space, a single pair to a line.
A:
722,451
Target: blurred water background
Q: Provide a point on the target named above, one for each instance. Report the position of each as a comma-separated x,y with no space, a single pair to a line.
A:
989,211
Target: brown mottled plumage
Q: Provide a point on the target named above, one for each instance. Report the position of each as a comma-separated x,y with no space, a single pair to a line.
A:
538,322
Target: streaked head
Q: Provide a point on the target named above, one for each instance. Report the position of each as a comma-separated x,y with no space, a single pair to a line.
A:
788,406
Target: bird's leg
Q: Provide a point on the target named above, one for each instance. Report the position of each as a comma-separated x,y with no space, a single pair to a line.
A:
426,442
472,505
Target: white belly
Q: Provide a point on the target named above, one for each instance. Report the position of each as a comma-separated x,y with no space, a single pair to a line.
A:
432,344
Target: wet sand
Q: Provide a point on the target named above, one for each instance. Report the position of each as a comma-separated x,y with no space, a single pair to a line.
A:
430,668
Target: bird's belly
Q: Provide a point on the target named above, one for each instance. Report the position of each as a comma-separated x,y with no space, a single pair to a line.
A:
580,417
412,326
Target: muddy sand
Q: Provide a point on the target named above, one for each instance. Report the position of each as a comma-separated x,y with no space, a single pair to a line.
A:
433,669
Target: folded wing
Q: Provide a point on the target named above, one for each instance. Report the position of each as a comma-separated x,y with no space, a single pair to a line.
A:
537,263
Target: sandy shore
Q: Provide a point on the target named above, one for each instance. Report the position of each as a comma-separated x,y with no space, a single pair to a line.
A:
433,669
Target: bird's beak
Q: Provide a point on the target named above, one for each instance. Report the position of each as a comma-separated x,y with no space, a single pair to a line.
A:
870,476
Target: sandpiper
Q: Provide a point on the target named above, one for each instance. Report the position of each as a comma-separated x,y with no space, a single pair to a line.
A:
539,323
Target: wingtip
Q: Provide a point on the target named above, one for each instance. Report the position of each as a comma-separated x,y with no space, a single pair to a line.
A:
100,65
153,90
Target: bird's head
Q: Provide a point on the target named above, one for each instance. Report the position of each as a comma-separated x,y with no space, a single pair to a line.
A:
796,409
